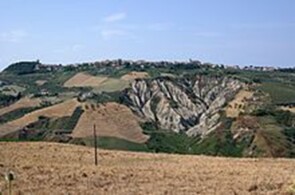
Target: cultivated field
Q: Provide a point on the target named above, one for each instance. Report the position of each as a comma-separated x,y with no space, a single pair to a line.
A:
279,92
98,83
111,85
51,168
59,110
22,103
84,80
111,120
134,75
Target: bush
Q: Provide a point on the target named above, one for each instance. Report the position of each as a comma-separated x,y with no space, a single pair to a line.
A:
6,100
105,97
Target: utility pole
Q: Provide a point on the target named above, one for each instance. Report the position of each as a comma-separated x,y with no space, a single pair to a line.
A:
9,178
95,144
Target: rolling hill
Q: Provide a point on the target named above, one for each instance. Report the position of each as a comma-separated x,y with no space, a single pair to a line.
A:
173,107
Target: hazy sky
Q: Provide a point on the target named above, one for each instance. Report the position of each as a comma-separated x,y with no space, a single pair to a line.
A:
245,32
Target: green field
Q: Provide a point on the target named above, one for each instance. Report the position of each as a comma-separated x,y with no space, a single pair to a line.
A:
111,85
112,143
279,92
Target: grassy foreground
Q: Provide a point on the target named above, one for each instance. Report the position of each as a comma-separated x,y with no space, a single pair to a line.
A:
70,169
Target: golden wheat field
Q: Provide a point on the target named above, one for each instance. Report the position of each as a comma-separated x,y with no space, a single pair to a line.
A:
84,80
112,120
51,168
134,75
59,110
22,103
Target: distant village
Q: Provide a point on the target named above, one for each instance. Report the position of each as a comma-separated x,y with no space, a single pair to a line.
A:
143,64
157,64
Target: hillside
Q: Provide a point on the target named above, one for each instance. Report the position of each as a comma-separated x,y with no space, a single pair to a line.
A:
58,110
111,120
84,80
22,103
173,107
70,169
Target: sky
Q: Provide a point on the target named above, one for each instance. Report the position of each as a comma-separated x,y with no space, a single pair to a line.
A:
232,32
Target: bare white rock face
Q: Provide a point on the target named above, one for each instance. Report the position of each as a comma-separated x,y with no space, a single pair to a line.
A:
190,105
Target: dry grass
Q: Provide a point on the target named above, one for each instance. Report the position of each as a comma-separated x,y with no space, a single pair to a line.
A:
286,108
41,82
99,83
48,168
22,103
59,110
235,107
168,75
84,80
111,120
134,75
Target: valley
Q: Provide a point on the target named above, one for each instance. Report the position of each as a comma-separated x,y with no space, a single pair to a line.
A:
180,107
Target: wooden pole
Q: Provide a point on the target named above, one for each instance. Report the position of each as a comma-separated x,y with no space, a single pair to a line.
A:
10,191
95,144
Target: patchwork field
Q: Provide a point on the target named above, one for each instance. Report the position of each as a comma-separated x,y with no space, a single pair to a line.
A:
84,80
111,85
59,110
51,168
103,83
111,120
98,83
22,103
